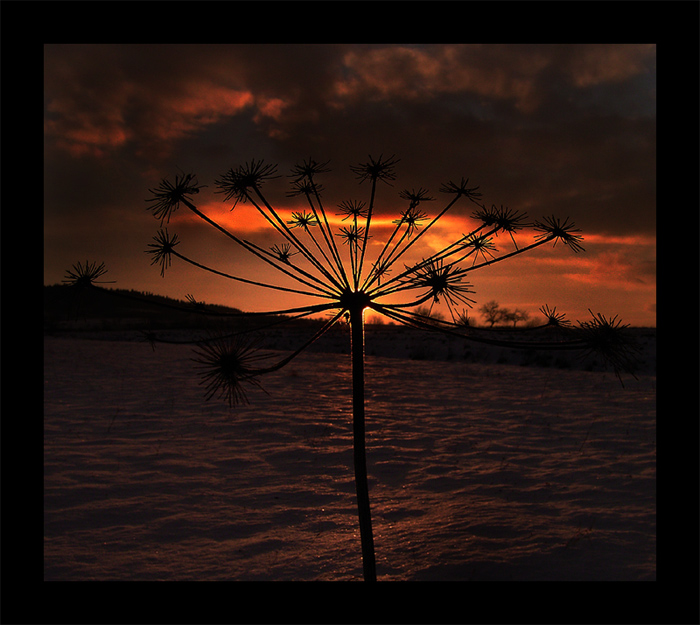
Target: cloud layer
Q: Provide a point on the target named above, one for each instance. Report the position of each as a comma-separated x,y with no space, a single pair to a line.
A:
550,129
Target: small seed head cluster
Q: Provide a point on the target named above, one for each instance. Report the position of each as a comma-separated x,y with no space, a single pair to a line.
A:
83,276
167,196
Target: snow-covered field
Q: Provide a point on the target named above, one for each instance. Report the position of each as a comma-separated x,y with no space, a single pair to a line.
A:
478,471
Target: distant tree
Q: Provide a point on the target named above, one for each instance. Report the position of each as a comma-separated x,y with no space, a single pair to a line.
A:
522,315
507,316
429,315
495,314
492,312
515,316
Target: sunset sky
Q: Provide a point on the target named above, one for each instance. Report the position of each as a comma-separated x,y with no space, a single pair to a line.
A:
566,130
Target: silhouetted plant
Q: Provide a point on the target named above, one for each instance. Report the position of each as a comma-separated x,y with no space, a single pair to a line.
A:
309,254
82,276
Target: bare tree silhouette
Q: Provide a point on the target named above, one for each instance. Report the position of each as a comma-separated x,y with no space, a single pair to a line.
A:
494,313
342,280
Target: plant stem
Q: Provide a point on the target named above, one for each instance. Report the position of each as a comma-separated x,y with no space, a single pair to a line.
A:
359,455
364,242
245,280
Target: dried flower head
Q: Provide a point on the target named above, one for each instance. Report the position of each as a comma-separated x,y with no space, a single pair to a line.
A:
381,269
609,339
554,228
443,280
412,218
462,190
463,319
380,169
162,249
352,235
237,183
85,275
509,220
482,246
353,208
416,197
554,318
167,196
227,363
303,220
503,218
308,169
304,187
283,252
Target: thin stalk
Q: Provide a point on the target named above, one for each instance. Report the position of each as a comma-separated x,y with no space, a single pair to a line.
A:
321,286
285,231
248,246
375,272
372,292
364,243
359,453
354,266
511,254
405,286
328,236
324,294
315,337
340,275
353,258
278,321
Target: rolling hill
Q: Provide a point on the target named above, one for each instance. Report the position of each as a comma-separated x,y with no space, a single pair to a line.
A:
66,308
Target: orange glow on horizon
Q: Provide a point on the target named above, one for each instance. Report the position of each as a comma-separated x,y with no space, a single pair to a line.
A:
606,260
247,218
550,274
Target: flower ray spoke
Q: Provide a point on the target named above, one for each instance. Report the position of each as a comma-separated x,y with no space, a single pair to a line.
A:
421,233
254,249
327,295
239,184
327,326
374,170
305,221
311,281
298,220
411,219
308,187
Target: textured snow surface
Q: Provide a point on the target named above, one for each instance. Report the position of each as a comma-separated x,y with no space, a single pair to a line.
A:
477,471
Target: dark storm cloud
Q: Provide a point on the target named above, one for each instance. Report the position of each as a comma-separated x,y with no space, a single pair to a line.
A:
564,129
134,95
